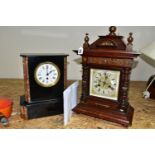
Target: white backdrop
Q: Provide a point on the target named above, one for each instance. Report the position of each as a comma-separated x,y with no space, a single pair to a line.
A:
64,39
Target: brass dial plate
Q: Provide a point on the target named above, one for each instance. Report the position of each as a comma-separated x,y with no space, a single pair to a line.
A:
104,83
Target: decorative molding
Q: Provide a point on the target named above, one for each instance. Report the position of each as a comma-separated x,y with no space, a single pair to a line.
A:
107,43
109,61
124,89
85,81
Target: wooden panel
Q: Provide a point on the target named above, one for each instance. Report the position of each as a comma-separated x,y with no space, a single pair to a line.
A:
110,61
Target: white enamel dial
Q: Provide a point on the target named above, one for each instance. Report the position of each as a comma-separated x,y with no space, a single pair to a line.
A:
104,83
47,74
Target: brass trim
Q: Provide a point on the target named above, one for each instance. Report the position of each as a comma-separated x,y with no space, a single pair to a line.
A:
49,85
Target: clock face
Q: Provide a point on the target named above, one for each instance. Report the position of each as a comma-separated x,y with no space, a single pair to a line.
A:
47,74
104,83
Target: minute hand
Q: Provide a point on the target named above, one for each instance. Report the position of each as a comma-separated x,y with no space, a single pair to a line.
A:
49,72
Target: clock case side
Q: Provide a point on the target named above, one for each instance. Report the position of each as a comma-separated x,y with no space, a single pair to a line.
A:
26,79
65,73
108,52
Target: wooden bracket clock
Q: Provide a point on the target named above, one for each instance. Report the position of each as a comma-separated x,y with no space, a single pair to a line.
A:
107,65
45,78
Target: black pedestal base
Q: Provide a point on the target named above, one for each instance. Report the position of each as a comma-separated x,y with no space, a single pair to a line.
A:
41,108
152,87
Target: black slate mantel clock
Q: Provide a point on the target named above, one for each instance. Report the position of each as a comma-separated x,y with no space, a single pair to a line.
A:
45,78
107,64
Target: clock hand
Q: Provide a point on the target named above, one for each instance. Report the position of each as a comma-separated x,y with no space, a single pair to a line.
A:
46,70
49,72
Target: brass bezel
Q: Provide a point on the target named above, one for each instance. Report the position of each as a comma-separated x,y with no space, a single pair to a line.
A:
41,84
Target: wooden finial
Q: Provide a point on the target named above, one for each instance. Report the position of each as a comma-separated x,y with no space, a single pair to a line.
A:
86,43
130,42
112,30
130,39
